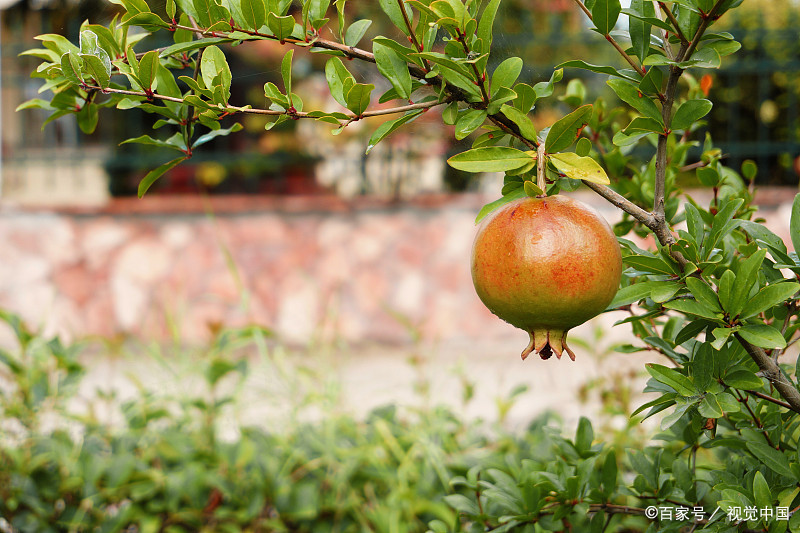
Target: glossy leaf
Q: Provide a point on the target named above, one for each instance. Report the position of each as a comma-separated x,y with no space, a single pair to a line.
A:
672,378
148,69
689,112
565,131
254,13
763,335
639,30
631,95
393,11
491,206
336,74
742,379
605,14
355,32
469,121
693,307
506,73
154,174
358,97
388,127
523,122
393,68
772,458
490,159
580,168
768,297
794,224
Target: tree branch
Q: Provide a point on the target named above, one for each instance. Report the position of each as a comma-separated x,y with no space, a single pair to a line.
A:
675,24
771,371
230,109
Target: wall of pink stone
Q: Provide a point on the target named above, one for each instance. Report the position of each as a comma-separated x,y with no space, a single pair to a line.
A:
312,269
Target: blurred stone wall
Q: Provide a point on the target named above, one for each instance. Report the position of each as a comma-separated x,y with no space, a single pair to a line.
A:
313,269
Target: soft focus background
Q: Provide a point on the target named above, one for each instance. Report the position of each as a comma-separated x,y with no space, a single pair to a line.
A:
357,265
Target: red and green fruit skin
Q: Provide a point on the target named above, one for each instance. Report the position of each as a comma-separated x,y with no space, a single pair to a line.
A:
546,265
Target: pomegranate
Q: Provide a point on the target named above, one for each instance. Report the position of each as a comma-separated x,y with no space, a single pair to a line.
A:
546,265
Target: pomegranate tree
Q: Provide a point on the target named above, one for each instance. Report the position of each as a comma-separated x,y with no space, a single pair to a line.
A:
546,265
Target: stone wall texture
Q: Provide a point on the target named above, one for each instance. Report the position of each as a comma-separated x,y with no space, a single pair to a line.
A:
312,269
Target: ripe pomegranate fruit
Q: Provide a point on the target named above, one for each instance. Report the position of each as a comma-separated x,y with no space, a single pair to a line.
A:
546,265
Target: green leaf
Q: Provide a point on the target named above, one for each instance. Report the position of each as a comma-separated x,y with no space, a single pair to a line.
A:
490,159
388,127
281,27
148,68
742,379
566,130
531,189
763,335
392,10
72,67
506,74
469,121
584,436
651,264
746,277
485,24
254,13
182,48
286,72
600,69
640,124
487,209
87,118
639,30
147,140
355,32
95,68
768,297
709,407
336,74
772,458
543,89
672,378
721,336
580,168
214,69
394,68
605,14
632,294
222,132
462,504
761,491
689,112
147,21
794,224
631,95
703,293
693,307
358,97
153,175
523,122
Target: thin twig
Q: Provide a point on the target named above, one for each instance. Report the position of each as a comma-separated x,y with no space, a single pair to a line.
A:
745,400
411,33
613,42
769,398
230,109
675,24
